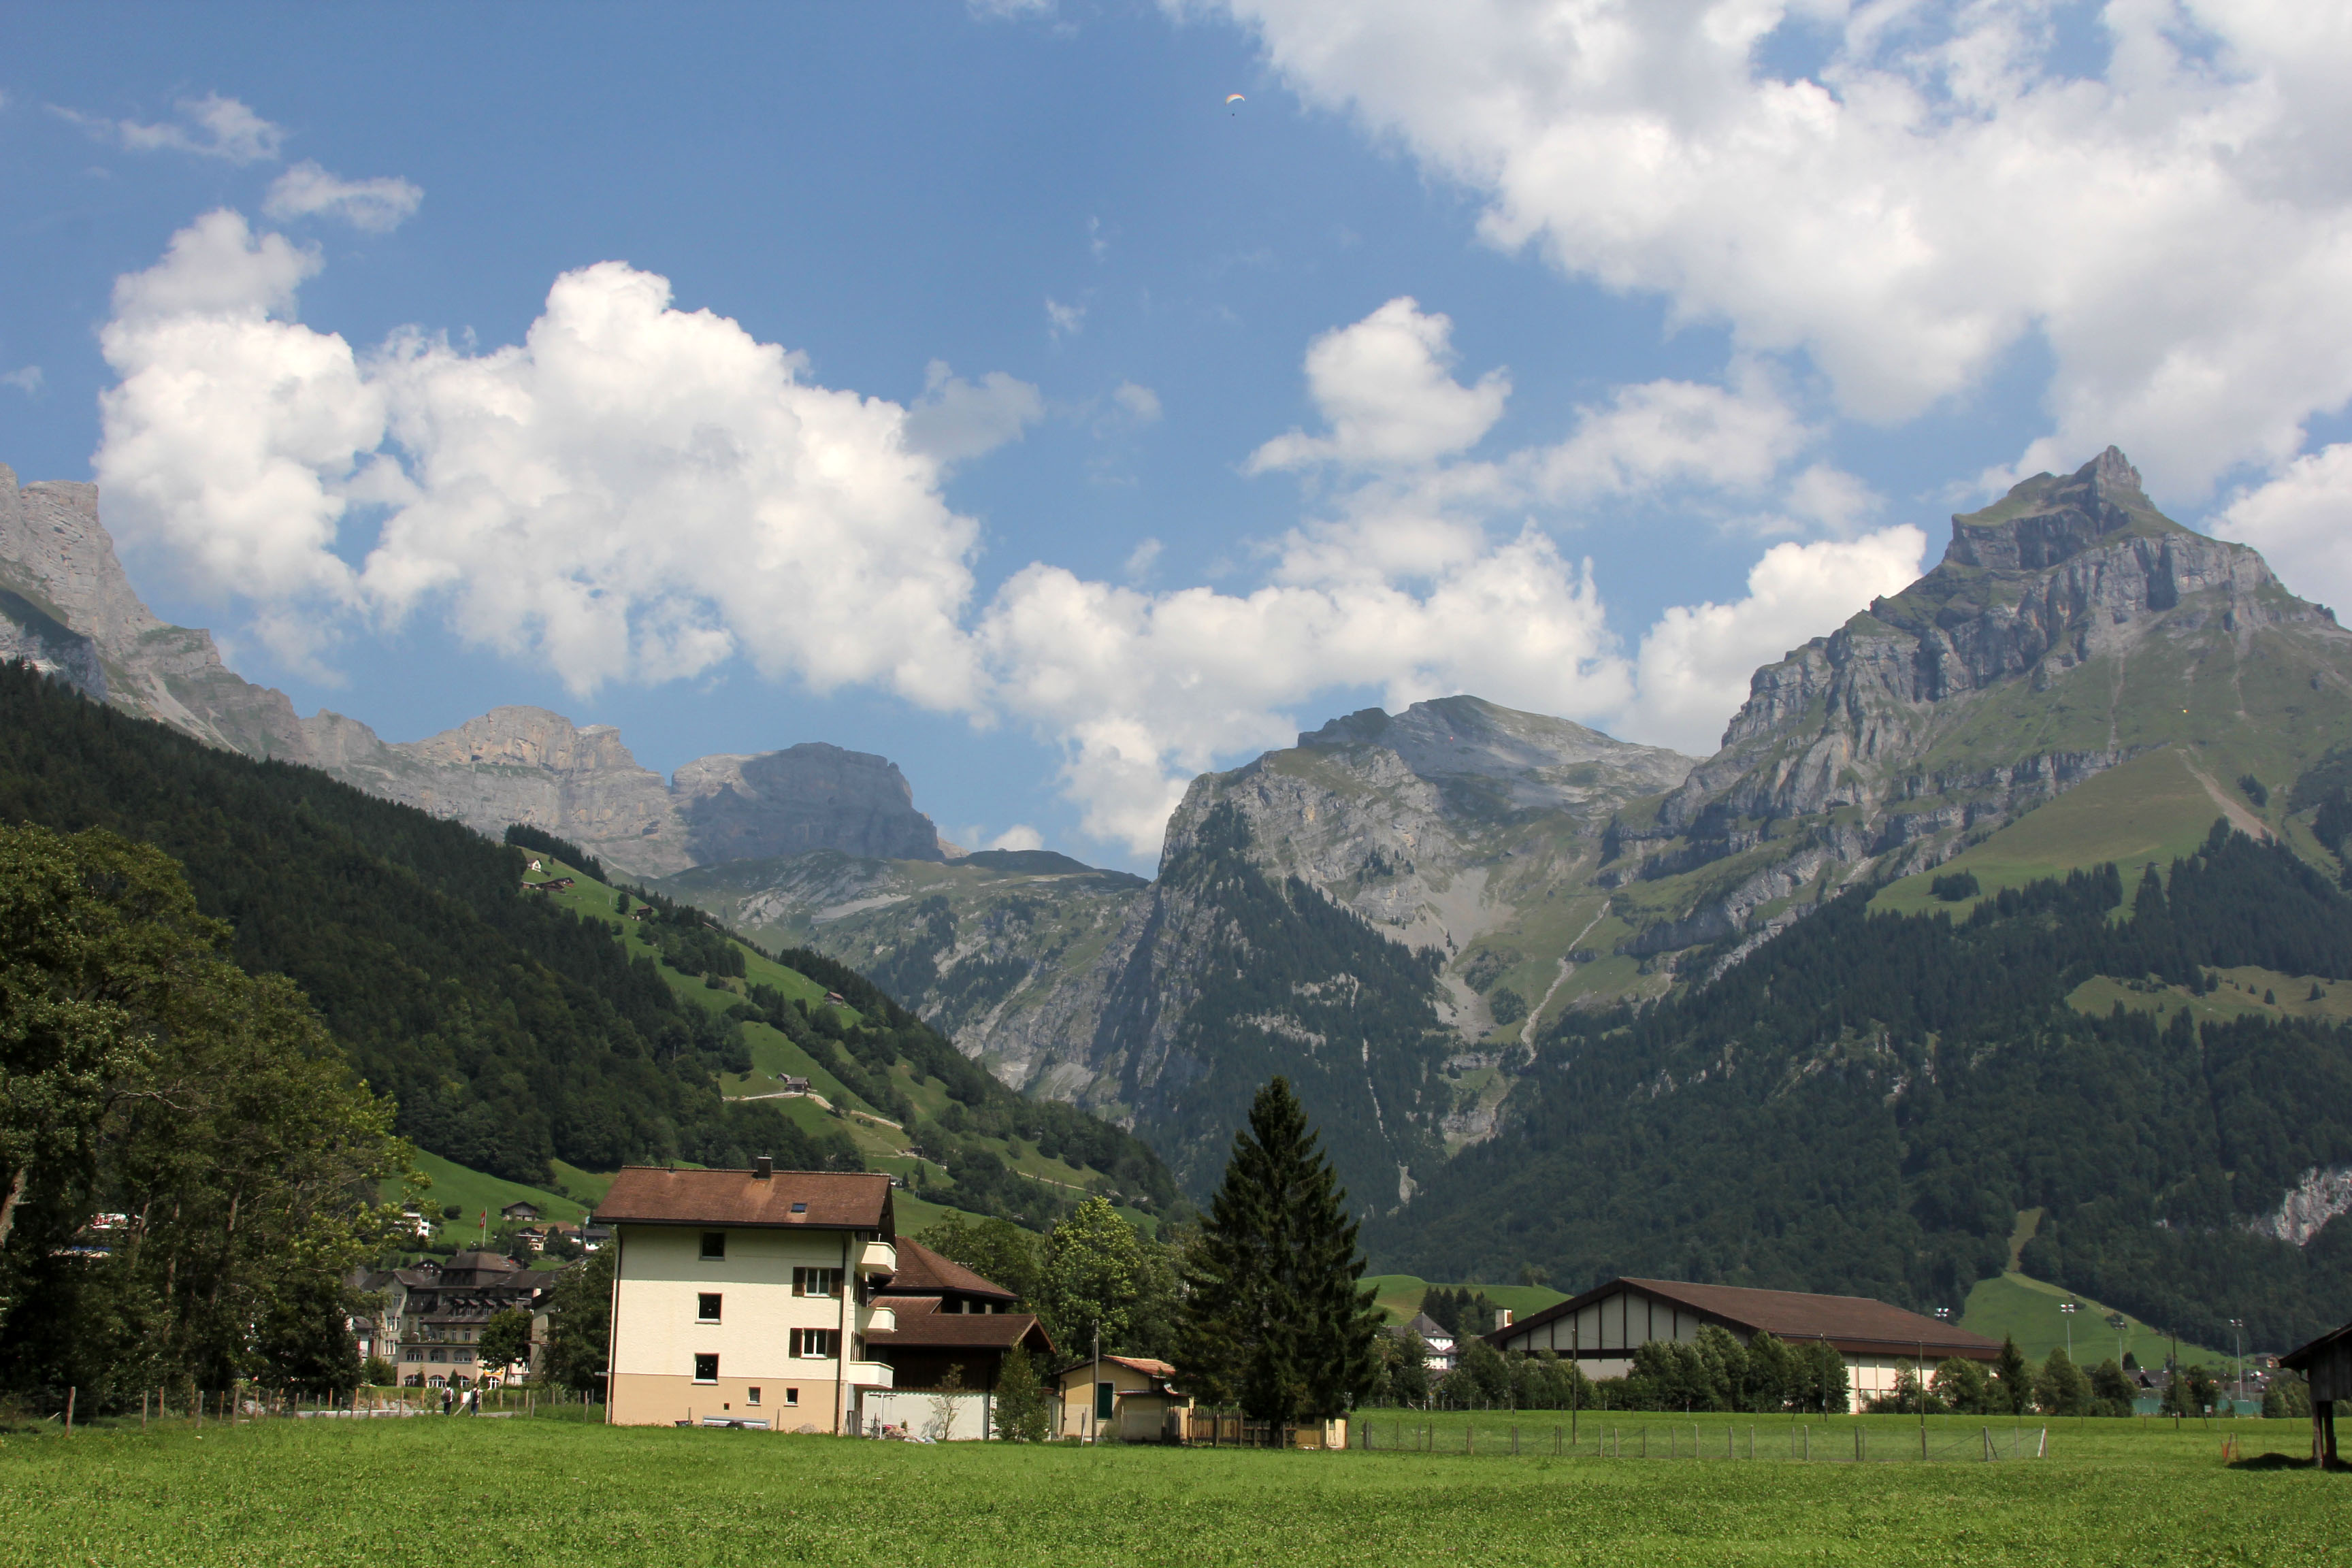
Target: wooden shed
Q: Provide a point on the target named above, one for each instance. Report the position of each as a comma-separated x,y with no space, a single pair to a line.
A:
2326,1364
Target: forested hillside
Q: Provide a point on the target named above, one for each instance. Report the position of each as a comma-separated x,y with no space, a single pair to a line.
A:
509,1029
1869,1102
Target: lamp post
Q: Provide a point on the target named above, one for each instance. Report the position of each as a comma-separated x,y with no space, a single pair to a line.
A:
2118,1322
2069,1309
1576,1359
1943,1315
2238,1327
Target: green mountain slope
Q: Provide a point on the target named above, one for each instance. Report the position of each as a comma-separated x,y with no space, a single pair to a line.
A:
1867,1102
510,1033
519,1031
909,1102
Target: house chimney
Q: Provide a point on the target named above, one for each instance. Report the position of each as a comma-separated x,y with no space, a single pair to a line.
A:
1502,1318
762,1168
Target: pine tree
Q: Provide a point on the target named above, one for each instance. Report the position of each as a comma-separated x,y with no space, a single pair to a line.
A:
2016,1382
1274,1318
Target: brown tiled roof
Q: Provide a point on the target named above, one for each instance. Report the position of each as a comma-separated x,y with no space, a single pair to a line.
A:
1852,1323
1142,1364
923,1326
922,1272
834,1199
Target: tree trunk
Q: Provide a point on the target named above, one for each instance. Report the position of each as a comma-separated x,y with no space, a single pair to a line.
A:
8,1203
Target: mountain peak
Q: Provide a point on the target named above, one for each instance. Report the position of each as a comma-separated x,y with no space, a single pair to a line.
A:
2049,518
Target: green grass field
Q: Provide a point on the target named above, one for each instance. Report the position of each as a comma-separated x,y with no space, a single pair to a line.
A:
472,1192
1399,1295
553,1492
2026,1308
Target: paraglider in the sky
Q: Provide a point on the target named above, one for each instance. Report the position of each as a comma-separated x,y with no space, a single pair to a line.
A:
1236,98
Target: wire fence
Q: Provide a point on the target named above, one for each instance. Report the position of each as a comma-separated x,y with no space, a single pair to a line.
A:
248,1403
1800,1443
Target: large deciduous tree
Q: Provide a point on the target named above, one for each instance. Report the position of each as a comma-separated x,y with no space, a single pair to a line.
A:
1274,1317
1092,1278
195,1168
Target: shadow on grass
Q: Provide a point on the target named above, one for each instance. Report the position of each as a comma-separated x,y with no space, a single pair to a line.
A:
2272,1461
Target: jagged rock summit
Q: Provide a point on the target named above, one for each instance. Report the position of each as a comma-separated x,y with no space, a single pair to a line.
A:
67,608
2070,629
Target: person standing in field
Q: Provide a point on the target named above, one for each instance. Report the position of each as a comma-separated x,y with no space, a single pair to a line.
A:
447,1399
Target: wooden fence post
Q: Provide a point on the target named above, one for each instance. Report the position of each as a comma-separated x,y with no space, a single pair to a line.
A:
70,1392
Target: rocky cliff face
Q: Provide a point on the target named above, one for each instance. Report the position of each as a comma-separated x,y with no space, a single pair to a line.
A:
1380,913
2069,629
66,605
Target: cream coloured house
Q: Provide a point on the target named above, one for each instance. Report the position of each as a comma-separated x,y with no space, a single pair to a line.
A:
743,1298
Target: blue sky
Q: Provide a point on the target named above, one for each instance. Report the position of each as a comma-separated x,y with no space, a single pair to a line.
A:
1584,368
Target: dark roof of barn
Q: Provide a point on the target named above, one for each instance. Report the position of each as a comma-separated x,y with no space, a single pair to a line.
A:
2300,1358
834,1199
923,1326
1849,1322
922,1272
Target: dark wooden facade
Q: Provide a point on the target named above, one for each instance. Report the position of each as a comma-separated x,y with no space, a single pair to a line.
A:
2326,1364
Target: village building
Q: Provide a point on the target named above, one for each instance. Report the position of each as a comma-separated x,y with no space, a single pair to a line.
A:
429,1323
1438,1349
1602,1328
522,1211
949,1318
745,1298
1119,1399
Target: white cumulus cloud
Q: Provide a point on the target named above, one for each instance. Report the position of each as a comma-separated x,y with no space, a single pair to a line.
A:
1695,662
1388,394
375,206
2302,522
2175,228
231,431
635,492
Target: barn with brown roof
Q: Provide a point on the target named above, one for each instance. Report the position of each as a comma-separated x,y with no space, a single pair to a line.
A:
946,1317
1602,1328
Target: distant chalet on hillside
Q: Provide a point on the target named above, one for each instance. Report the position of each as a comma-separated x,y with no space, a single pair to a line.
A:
1602,1329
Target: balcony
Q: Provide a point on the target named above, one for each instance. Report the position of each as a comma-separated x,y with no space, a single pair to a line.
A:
881,1321
869,1374
877,1257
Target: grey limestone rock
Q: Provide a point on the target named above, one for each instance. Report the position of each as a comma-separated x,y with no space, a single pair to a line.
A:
2064,632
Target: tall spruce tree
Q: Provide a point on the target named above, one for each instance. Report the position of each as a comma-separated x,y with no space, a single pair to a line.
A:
1274,1318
